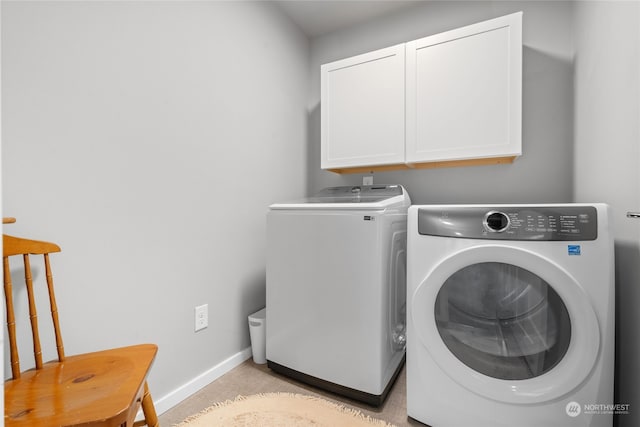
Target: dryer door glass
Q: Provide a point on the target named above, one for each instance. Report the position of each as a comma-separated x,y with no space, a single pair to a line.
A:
502,321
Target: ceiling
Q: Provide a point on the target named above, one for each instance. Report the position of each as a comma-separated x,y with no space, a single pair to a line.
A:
318,17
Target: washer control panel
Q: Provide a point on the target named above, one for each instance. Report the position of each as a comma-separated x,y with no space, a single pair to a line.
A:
558,222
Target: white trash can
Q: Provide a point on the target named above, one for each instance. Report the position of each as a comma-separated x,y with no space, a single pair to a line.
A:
258,334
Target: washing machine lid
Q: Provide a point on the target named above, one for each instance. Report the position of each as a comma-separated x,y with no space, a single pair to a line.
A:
360,197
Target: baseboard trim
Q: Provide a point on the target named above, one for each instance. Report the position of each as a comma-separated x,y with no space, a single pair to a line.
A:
191,387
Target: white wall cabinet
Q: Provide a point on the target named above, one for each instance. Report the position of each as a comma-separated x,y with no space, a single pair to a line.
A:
362,112
464,92
458,101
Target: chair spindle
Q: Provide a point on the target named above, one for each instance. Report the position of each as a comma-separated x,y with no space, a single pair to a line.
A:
11,320
54,309
33,314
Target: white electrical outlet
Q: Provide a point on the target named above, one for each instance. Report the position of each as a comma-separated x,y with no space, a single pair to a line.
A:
367,180
202,317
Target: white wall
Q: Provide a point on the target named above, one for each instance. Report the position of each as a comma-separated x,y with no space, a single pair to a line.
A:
545,171
607,160
148,139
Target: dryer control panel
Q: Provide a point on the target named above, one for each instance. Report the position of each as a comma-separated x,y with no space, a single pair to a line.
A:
558,222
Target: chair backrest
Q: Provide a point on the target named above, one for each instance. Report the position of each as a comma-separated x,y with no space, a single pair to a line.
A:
15,246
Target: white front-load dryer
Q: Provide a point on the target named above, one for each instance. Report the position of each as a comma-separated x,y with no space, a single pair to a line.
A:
510,315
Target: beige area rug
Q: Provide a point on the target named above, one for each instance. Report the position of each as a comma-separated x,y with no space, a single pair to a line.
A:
282,410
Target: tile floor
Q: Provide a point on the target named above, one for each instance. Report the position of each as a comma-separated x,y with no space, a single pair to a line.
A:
250,378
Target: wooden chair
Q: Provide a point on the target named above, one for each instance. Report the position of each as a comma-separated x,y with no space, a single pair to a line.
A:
104,388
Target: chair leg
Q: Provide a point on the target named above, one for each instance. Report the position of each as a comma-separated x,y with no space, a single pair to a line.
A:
148,409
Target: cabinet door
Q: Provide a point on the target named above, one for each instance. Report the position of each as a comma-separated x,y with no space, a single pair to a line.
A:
464,92
362,112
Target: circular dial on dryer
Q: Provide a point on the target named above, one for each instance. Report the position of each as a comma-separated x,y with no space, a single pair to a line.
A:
496,221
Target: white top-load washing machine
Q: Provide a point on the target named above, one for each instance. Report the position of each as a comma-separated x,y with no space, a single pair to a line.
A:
510,315
336,289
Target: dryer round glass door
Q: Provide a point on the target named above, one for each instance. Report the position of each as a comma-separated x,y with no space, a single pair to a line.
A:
506,323
502,321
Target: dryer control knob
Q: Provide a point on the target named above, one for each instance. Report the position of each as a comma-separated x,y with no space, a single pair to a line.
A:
496,221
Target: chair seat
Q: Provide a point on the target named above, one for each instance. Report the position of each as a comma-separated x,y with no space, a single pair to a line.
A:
96,389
